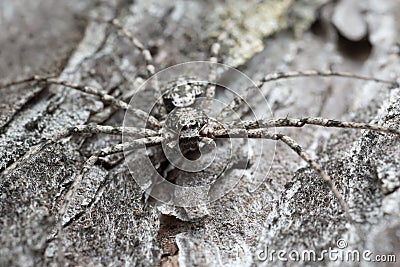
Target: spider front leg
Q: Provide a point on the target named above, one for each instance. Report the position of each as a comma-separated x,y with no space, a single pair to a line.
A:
153,122
315,73
116,130
151,70
104,114
292,122
212,76
237,102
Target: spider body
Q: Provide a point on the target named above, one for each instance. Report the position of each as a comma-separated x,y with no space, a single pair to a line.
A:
185,120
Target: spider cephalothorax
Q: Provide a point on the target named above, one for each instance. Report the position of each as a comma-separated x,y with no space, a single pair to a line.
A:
186,124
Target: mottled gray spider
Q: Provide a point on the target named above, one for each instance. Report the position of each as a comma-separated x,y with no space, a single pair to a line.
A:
193,127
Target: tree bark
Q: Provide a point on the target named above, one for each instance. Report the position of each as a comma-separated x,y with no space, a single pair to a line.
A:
106,222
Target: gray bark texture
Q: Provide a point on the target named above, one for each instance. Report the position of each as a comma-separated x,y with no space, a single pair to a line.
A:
106,223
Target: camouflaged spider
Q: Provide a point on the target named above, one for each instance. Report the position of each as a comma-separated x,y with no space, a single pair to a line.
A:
196,127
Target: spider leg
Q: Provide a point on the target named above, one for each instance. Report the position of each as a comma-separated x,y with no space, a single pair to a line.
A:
117,130
135,144
328,73
291,122
104,114
151,70
139,143
92,91
91,128
25,80
292,144
210,89
238,101
235,105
